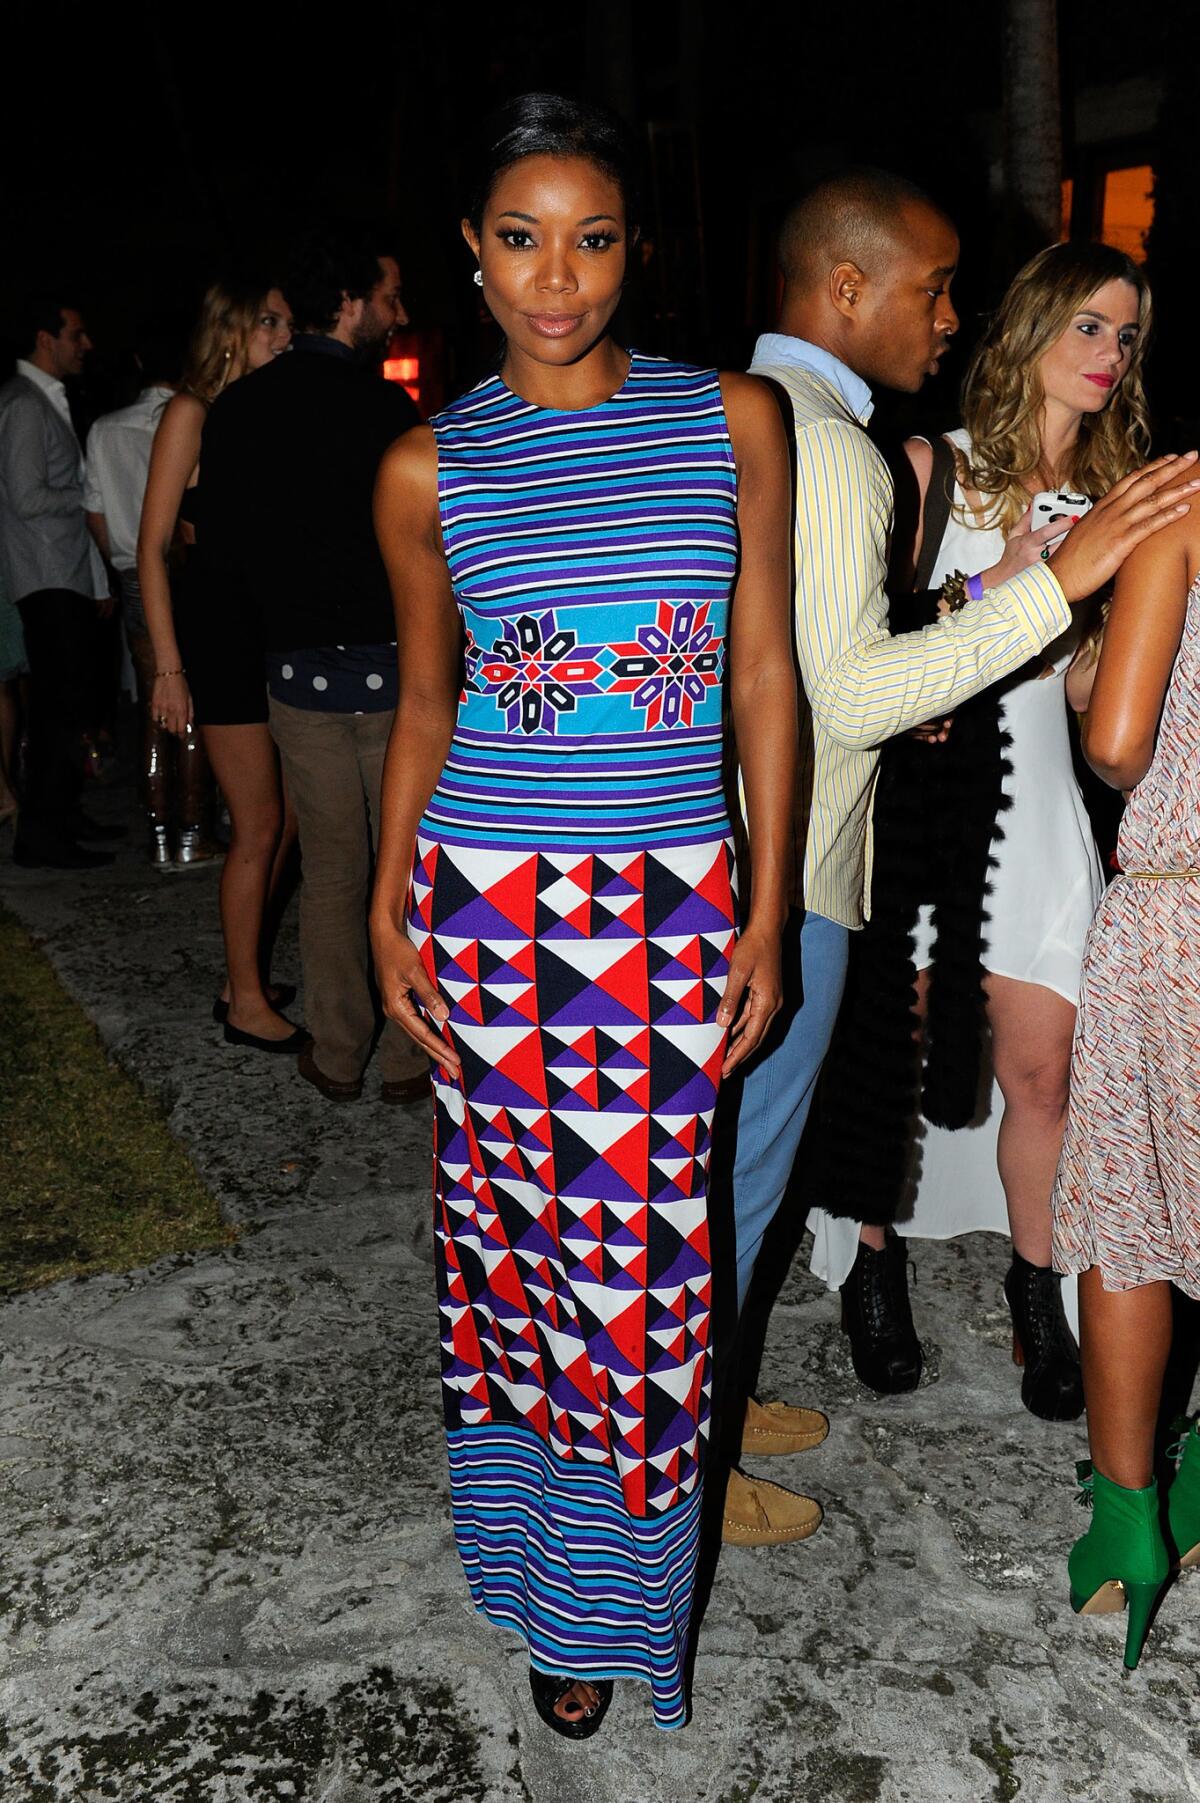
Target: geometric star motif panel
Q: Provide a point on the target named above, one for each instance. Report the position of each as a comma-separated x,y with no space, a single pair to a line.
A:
571,1158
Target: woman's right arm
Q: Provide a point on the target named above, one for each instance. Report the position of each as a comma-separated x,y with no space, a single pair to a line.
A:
173,457
1141,642
428,650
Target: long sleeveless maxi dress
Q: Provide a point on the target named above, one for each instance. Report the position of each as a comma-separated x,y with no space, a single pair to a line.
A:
572,897
1127,1194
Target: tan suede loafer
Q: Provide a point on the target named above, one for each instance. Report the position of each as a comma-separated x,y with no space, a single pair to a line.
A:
758,1513
774,1427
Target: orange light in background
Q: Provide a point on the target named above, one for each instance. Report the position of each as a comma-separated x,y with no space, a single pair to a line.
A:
1128,209
406,371
1068,197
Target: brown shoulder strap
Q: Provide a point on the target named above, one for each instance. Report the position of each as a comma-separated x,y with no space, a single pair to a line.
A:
939,497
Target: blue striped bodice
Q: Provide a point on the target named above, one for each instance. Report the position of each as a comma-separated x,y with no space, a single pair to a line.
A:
592,555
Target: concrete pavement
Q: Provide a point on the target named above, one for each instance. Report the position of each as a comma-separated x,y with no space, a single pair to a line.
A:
228,1574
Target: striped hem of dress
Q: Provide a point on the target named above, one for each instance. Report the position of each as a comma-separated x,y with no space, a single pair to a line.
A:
551,1551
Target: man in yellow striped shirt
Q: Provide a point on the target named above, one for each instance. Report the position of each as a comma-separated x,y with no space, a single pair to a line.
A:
867,262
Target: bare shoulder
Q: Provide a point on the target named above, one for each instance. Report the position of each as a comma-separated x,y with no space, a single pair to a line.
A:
407,481
183,418
919,452
185,406
748,401
756,426
410,461
1173,552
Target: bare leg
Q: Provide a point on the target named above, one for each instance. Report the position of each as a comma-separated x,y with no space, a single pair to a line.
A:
279,891
278,888
246,765
1032,1028
1125,1336
876,1237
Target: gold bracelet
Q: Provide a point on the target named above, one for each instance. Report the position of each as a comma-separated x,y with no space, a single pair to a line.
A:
954,591
180,672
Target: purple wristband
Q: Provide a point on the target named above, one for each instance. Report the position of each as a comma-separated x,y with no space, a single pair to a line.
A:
974,588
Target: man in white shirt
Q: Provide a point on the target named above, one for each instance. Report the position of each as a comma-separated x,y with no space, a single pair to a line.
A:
56,578
175,781
118,460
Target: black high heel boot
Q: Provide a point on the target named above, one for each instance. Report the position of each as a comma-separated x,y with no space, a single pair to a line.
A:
877,1316
1052,1384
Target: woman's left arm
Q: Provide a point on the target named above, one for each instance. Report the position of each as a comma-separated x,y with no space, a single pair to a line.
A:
1141,641
762,688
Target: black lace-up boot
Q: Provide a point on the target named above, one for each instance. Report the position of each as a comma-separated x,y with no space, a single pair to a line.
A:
877,1317
1052,1383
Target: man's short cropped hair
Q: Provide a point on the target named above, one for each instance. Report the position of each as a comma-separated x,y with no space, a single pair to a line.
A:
849,217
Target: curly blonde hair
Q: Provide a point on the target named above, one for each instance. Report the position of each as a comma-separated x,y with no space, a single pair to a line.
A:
1002,392
216,354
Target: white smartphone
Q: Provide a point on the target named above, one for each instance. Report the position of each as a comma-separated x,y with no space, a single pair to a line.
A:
1051,505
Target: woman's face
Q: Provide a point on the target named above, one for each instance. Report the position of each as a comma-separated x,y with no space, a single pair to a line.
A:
552,251
1083,368
272,332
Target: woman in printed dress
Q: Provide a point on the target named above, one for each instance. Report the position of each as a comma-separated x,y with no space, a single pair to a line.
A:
575,545
1127,1196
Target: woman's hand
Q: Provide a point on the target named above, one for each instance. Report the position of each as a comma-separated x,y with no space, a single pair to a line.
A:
1022,549
753,993
402,977
1131,512
171,703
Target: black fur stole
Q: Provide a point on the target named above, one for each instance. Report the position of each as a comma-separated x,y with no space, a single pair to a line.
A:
935,814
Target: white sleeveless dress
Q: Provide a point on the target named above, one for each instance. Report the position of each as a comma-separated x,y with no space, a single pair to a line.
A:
1044,893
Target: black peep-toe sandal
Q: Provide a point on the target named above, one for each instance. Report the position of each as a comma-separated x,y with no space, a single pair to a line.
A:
549,1691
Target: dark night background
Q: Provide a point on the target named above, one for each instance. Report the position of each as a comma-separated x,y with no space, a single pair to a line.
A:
157,145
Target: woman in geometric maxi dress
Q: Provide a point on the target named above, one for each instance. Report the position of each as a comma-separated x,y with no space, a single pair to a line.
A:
578,544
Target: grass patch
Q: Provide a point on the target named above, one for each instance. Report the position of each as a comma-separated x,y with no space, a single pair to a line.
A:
90,1177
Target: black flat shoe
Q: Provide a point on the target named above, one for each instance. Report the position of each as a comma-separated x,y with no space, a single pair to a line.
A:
1052,1381
548,1691
295,1042
877,1317
280,996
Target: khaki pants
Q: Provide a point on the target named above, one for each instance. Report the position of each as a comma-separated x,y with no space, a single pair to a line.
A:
333,768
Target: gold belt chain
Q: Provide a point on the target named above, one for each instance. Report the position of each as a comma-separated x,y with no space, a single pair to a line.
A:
1160,876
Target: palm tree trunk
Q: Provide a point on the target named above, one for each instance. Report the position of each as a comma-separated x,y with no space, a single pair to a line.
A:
1032,124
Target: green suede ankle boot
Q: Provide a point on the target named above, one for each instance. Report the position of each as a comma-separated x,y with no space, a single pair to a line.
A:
1121,1560
1183,1501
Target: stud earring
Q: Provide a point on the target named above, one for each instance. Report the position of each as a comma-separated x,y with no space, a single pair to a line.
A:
477,278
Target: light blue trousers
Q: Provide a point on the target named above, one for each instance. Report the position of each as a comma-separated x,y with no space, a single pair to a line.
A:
777,1090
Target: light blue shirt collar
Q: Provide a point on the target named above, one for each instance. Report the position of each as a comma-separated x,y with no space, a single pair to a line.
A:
778,347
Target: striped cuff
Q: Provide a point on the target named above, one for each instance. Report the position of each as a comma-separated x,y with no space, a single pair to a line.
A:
1038,604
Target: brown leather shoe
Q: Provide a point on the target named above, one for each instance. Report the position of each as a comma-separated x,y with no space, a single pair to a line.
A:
306,1064
773,1427
758,1513
403,1091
